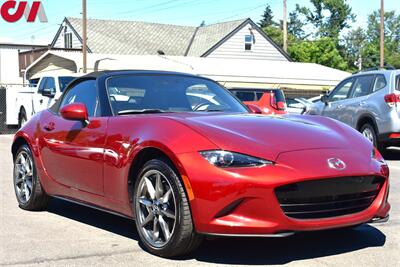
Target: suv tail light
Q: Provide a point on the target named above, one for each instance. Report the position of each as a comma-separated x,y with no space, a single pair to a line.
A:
392,99
281,105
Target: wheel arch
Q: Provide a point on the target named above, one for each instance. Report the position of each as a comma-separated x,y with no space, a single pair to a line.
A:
154,152
367,118
18,142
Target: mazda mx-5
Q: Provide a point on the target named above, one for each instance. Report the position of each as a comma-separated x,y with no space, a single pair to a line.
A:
185,159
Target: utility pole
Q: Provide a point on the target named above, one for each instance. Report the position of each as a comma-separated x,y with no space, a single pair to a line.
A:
84,35
382,35
285,34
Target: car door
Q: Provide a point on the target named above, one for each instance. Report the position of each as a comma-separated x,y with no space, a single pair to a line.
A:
357,102
72,152
39,99
337,99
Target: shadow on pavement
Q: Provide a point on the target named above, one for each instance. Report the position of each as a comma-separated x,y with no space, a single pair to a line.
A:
301,246
254,251
393,153
109,222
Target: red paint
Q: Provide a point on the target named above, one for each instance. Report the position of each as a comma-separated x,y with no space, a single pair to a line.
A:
267,104
75,112
8,7
91,163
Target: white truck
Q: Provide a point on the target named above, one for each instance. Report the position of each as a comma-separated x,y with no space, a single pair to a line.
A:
24,101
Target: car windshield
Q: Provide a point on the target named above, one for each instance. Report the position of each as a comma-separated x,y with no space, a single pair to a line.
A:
64,81
134,94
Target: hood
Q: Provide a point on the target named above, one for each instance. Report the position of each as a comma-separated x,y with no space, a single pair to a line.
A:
268,136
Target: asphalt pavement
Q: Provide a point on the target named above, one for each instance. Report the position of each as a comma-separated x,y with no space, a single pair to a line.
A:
71,235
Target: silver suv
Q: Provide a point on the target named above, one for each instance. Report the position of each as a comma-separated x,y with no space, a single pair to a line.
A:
369,102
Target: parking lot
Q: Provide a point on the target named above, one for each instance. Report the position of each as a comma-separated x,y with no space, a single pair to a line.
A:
68,234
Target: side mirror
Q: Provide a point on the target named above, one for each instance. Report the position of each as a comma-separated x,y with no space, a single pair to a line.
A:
254,109
49,92
75,112
325,99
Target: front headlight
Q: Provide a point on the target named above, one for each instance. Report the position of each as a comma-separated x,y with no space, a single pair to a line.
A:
226,159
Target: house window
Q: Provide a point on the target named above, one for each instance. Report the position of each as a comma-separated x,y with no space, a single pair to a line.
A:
68,40
248,42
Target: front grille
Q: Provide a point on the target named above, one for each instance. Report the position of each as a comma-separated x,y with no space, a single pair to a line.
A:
328,197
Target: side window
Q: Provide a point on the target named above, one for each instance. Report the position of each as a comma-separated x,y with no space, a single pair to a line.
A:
42,85
248,42
362,86
245,95
397,85
51,84
84,92
342,91
380,83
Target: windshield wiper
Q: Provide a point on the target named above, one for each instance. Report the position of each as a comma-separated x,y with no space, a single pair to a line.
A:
140,111
215,110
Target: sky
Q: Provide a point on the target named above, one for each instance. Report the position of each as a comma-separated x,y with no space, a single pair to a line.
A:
181,12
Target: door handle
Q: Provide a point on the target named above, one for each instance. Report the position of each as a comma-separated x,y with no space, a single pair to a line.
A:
339,107
362,103
41,101
50,126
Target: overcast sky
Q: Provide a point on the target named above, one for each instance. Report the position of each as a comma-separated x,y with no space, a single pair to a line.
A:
182,12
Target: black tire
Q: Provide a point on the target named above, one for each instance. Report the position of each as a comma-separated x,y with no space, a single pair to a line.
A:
184,238
22,118
368,129
38,200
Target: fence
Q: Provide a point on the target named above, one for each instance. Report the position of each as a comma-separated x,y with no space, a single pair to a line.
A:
4,129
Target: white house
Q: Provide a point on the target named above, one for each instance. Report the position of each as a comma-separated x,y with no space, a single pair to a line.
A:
240,39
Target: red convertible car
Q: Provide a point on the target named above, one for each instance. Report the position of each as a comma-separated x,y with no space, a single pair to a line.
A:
184,158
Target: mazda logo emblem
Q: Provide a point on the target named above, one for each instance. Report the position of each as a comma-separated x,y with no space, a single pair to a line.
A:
336,164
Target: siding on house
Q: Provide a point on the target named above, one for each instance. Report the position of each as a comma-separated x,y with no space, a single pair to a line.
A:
234,47
66,29
220,40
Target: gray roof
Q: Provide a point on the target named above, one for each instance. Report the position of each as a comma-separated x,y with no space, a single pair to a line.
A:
143,38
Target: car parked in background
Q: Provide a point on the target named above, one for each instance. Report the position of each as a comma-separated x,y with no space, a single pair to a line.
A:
300,105
368,101
270,101
41,93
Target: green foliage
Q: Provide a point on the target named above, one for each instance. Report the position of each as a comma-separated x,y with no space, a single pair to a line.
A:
267,17
340,16
322,51
329,18
296,25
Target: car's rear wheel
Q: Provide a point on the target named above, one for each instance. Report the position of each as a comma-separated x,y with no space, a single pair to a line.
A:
28,190
22,118
369,132
162,214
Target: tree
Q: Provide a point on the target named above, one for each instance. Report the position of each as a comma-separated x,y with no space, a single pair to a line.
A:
329,17
296,25
392,39
322,51
267,17
354,43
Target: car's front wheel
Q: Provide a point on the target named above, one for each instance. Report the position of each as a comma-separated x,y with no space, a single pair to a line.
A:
28,190
162,213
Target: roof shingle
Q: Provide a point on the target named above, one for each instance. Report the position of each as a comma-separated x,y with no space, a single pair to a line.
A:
143,38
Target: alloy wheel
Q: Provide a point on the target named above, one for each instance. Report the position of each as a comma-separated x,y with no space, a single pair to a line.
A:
368,134
23,171
156,208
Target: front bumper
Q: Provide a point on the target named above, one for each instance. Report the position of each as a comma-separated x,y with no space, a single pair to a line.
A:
242,201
